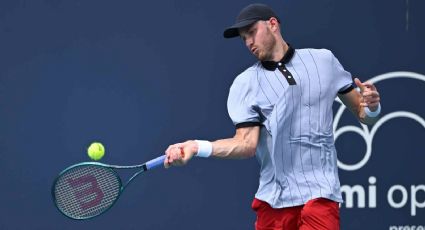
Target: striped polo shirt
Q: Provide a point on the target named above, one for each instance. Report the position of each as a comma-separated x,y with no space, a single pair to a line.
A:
292,102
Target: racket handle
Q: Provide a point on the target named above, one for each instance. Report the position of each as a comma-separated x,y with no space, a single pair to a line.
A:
155,162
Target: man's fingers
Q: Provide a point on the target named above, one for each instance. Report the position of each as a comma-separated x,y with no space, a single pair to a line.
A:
359,84
369,85
167,163
374,104
174,156
169,156
370,93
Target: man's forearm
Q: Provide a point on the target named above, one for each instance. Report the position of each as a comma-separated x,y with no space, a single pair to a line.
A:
233,148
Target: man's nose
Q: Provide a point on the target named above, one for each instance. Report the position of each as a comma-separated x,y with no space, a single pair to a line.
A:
248,42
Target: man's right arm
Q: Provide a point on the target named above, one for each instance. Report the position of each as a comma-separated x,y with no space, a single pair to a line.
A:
241,146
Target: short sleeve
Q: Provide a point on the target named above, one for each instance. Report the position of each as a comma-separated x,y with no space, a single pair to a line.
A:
240,105
344,80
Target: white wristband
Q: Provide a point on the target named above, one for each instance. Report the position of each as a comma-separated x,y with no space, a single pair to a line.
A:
374,113
204,148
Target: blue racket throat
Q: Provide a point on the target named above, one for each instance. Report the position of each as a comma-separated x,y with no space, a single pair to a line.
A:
86,190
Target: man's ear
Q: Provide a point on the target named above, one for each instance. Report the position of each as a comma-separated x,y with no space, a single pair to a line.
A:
274,23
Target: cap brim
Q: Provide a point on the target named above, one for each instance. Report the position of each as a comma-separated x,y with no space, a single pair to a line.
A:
233,31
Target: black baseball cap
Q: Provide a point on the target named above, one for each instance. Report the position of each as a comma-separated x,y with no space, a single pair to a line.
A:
248,16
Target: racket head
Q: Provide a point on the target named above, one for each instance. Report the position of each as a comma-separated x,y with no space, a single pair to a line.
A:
86,190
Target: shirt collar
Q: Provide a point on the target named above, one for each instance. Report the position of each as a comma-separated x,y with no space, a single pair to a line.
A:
272,65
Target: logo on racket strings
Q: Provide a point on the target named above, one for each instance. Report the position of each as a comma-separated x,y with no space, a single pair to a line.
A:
86,191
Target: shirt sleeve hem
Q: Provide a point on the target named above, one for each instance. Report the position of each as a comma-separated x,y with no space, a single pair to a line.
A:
247,124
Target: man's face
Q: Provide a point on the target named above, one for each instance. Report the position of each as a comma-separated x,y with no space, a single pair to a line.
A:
259,40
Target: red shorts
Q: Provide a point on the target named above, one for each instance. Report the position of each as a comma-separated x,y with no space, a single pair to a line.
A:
317,214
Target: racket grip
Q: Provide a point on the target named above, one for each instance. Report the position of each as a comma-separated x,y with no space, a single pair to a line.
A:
155,162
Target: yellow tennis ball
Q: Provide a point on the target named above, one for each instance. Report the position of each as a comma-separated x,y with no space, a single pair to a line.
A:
96,151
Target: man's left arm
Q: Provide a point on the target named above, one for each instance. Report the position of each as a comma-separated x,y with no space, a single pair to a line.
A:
365,105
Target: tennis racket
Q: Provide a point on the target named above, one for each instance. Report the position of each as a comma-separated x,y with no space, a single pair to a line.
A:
86,190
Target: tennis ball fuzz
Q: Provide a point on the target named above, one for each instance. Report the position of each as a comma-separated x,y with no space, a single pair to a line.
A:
96,151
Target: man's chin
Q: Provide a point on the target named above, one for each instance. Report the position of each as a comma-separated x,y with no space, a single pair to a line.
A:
260,57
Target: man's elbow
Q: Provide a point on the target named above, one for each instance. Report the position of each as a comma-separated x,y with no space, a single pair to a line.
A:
250,152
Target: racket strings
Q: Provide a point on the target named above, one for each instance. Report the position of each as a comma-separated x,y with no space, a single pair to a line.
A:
86,191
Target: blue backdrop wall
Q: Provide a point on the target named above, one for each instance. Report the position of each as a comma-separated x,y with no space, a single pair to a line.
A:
140,75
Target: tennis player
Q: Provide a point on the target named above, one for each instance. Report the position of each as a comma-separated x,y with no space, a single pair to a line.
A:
282,110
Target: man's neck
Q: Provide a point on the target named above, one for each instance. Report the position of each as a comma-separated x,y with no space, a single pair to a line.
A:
281,50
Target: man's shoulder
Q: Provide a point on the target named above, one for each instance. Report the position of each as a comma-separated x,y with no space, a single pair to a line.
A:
253,68
314,51
249,73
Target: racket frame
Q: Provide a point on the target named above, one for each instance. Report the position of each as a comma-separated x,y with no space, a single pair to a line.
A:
144,167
